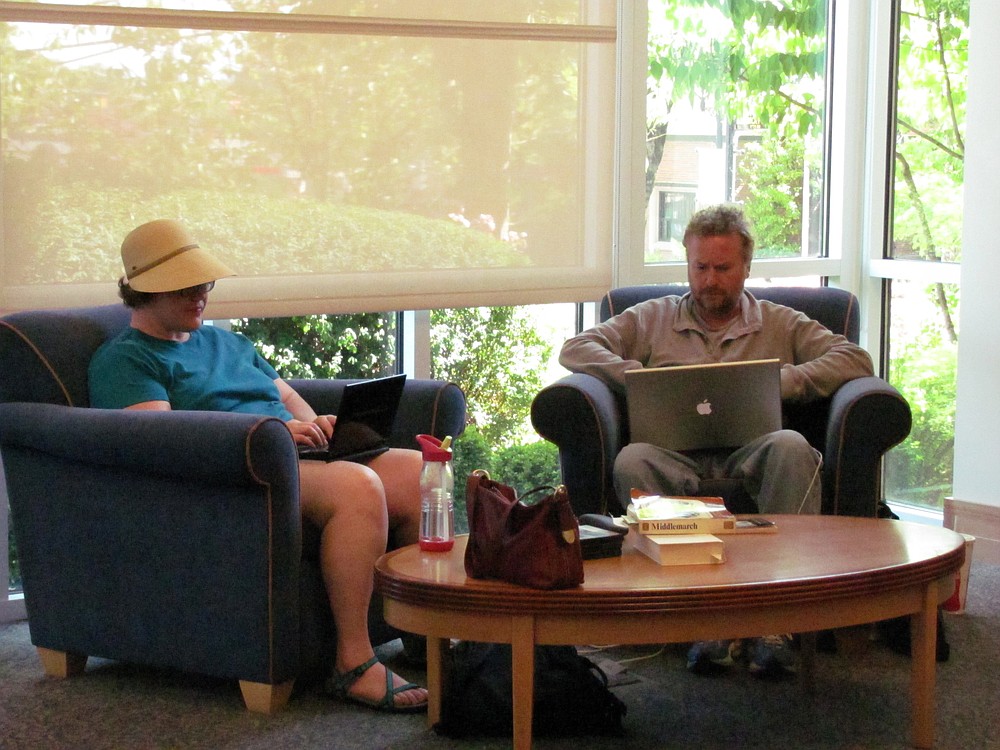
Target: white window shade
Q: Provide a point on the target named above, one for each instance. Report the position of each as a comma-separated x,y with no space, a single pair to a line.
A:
337,163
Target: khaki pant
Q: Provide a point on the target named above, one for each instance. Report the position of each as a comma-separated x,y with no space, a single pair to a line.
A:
780,471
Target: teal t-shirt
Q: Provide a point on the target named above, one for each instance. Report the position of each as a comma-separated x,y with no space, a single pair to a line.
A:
214,370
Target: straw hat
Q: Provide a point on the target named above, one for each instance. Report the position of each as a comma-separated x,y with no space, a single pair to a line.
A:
162,256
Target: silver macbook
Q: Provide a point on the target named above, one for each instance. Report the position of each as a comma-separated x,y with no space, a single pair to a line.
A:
690,407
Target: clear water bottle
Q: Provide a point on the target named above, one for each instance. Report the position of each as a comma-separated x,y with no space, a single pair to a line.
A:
437,507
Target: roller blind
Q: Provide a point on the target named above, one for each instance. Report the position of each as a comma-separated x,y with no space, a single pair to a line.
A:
341,156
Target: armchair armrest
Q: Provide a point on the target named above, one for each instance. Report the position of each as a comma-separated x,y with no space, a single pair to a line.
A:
867,418
158,538
214,447
433,407
583,417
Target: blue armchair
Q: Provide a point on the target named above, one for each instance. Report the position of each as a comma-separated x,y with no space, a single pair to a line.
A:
852,429
168,539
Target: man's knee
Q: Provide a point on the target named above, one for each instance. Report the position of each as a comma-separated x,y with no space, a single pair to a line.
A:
789,446
645,467
633,458
789,440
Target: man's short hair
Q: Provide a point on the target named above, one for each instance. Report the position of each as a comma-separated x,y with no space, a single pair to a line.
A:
723,219
131,297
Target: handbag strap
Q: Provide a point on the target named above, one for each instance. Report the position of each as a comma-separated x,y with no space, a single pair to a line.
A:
541,488
475,479
560,497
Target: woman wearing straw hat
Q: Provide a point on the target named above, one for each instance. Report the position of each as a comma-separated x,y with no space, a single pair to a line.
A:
166,285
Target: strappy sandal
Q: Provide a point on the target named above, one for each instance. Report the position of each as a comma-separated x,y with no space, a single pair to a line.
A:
341,682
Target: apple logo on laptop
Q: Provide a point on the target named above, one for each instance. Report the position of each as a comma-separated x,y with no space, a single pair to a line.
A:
704,408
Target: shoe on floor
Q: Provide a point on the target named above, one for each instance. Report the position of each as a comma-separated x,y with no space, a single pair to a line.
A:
713,657
340,684
771,656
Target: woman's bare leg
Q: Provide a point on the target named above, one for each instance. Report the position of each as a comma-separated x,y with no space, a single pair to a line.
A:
347,502
399,471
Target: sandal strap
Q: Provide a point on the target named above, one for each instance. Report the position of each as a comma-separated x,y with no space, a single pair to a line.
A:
340,682
389,697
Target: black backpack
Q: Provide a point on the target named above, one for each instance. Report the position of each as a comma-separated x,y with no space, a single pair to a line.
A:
571,694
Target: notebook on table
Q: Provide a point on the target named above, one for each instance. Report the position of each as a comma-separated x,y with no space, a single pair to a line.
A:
692,407
364,421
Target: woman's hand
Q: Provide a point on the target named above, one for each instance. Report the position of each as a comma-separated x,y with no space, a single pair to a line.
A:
316,433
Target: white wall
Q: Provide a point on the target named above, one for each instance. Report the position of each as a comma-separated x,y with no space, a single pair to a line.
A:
976,504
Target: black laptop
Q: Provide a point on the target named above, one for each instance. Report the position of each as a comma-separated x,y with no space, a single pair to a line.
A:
364,421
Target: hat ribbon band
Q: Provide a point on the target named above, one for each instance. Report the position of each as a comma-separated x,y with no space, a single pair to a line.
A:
159,261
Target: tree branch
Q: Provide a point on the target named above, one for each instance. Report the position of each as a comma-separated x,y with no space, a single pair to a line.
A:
931,139
947,82
931,253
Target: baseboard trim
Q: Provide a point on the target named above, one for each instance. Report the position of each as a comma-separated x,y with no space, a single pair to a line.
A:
981,521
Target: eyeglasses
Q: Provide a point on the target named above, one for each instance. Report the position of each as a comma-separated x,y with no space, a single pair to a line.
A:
193,292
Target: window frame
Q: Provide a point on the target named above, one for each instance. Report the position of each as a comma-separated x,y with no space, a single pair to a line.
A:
859,131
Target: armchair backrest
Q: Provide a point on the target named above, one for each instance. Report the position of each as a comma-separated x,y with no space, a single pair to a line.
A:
45,353
835,309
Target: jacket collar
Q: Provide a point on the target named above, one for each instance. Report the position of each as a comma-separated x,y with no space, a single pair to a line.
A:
749,321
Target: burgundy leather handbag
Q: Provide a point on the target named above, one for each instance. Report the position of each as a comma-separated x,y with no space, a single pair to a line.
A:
534,544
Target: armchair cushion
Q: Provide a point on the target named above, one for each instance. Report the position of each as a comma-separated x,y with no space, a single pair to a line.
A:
852,429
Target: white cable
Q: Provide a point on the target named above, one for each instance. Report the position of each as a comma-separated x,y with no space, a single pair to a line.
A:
812,481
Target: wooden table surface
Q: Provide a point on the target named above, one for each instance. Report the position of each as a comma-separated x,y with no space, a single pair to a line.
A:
815,573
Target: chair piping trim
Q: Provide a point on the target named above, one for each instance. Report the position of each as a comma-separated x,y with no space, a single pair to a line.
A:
41,358
434,410
438,395
841,438
270,543
611,304
847,315
603,445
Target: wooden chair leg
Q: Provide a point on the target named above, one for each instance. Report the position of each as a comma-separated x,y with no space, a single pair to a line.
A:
264,698
61,663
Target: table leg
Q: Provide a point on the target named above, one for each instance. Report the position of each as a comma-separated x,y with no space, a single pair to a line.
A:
923,657
523,677
807,662
437,649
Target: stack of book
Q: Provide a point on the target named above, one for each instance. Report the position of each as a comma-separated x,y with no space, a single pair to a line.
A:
675,530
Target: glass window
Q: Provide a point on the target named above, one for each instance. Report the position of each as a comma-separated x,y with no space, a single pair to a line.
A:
736,112
676,209
923,325
325,346
923,358
930,130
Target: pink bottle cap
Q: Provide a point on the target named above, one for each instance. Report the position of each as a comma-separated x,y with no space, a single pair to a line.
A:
432,450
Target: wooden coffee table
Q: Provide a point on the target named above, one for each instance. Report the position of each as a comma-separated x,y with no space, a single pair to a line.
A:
817,572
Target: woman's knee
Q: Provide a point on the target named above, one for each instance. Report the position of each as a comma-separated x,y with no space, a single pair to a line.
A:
343,486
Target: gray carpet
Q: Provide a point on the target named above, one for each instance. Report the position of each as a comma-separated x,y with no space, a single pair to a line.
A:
861,701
